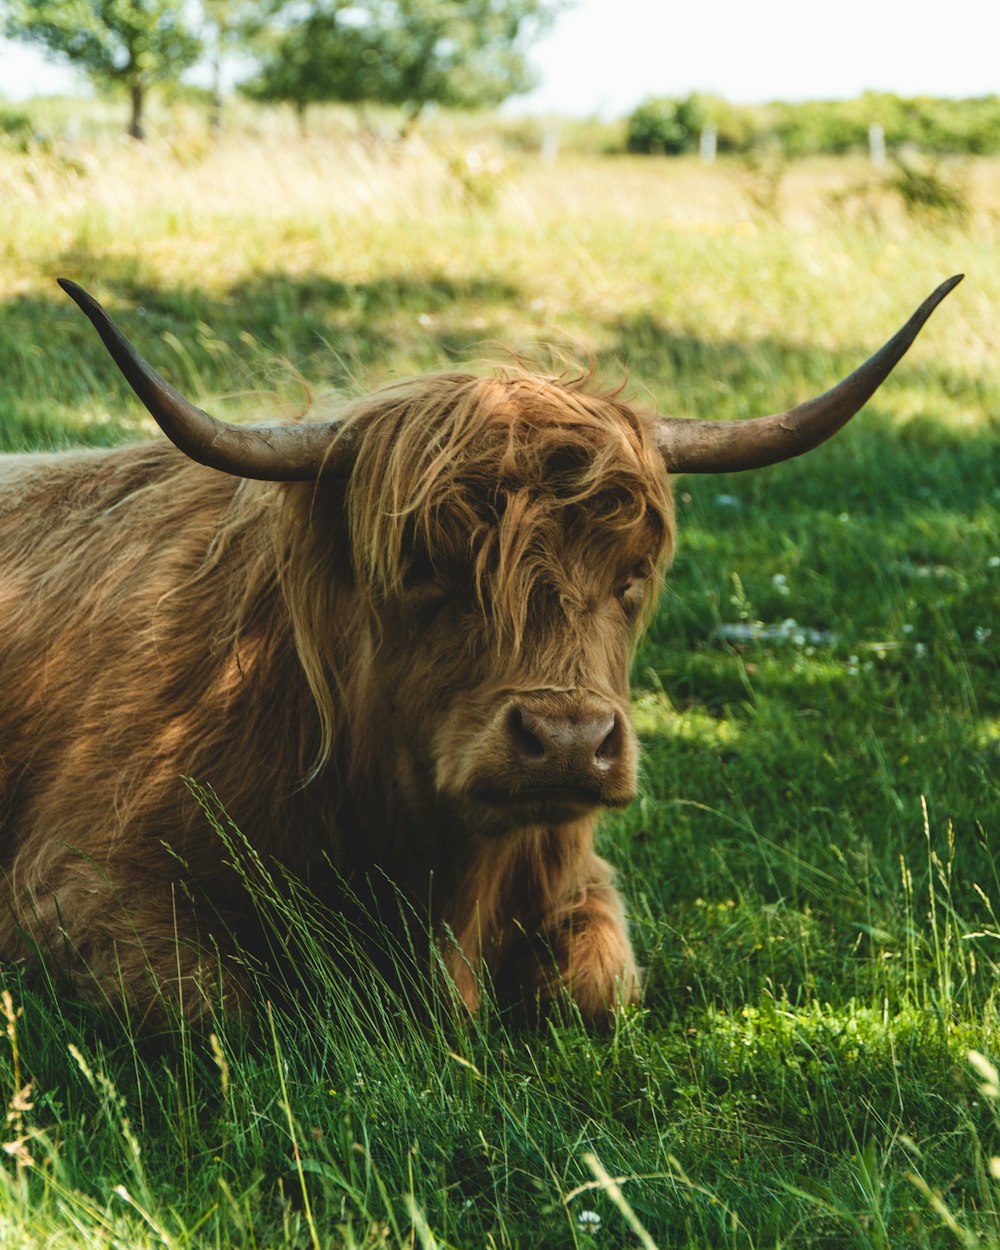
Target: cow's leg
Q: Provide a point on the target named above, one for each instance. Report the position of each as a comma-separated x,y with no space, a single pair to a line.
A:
156,974
132,947
581,949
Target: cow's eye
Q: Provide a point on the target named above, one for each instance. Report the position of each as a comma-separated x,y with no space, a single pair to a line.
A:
429,587
419,572
634,578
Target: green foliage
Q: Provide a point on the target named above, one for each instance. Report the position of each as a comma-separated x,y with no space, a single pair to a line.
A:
16,128
813,127
407,53
319,58
928,194
666,126
131,43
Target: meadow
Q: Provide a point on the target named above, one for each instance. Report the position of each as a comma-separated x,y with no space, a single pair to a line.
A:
810,866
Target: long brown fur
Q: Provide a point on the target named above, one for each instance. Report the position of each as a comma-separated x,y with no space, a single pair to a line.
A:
339,663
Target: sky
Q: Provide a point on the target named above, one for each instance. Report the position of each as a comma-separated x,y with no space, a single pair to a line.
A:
605,56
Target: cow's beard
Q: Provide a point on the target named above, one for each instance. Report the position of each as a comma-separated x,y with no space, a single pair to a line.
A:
488,814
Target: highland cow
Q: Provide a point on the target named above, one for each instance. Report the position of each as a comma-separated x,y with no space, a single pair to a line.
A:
396,643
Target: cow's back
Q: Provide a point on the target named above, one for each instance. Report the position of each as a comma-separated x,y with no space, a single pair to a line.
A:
143,639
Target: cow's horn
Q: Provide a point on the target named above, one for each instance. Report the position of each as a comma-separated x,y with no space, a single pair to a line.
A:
281,453
695,446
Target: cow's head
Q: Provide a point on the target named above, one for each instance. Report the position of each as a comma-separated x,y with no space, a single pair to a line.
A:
507,536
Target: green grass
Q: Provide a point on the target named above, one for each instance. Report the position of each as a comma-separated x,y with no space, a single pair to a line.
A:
810,867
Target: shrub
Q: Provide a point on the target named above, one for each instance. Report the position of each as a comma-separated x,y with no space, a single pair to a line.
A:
819,127
928,195
16,129
666,126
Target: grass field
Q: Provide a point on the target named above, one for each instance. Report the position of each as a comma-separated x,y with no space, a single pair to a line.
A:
810,867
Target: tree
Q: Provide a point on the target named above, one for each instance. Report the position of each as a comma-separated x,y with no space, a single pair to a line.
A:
409,53
229,26
129,43
666,126
319,57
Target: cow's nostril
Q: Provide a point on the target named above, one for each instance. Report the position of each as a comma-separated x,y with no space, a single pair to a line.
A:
610,749
525,742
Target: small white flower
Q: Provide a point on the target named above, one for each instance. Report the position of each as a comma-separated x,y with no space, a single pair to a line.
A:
426,320
983,634
919,650
588,1221
844,518
727,501
780,583
994,562
907,629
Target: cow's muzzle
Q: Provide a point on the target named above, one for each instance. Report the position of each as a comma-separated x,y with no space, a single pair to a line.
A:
566,748
563,755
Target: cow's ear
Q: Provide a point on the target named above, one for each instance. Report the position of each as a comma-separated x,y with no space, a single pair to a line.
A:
693,446
279,453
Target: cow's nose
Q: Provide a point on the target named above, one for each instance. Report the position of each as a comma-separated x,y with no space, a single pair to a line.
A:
578,743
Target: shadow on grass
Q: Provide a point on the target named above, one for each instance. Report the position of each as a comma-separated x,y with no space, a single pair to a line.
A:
329,328
300,315
56,373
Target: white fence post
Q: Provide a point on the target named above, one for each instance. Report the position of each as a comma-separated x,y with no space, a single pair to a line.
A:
876,145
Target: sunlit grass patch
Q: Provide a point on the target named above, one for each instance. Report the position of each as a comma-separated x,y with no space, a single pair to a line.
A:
654,714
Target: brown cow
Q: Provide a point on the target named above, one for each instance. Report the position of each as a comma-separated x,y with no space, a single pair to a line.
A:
397,642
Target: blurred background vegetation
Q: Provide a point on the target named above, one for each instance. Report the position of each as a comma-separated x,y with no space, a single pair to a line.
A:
398,59
817,127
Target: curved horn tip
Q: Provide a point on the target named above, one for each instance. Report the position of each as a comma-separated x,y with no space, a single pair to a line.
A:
946,287
276,453
73,289
82,298
700,446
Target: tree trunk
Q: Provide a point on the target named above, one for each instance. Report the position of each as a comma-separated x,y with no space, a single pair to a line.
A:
137,92
300,112
410,119
215,109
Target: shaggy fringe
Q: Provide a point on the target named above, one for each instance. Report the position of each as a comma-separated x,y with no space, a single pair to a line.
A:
457,470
